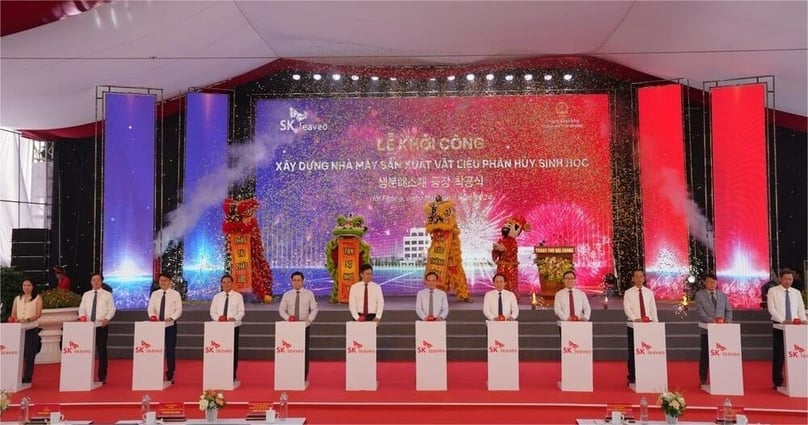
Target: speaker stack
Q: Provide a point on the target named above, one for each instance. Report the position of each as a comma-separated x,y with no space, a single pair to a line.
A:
29,254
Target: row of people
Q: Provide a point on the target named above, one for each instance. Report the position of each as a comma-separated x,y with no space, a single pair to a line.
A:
366,303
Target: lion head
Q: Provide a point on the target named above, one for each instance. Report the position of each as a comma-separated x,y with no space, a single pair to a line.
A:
440,215
350,226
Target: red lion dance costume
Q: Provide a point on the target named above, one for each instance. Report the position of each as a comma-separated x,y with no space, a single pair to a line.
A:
248,265
506,249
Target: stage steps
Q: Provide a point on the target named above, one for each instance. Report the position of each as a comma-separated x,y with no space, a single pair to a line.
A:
466,334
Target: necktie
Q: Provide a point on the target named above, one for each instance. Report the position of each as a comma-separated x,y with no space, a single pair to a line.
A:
431,303
297,305
162,315
499,304
715,302
95,306
572,305
788,307
365,302
226,304
642,305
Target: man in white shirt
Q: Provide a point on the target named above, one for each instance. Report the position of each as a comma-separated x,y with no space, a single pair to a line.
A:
228,306
639,306
299,304
431,303
165,305
365,299
97,305
573,297
499,303
785,306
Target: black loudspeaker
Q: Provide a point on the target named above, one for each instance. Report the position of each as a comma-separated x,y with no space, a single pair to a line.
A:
29,253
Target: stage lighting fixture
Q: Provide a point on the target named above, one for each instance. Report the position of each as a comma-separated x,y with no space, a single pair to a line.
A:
528,77
336,77
567,77
296,77
470,77
691,279
509,78
433,79
354,78
393,79
374,78
489,77
548,77
317,77
451,78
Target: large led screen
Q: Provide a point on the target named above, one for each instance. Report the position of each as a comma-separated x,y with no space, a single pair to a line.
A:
128,253
206,134
545,157
740,191
664,191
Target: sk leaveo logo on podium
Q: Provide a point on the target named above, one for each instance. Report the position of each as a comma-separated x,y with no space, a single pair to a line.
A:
646,349
4,352
797,352
215,347
723,351
145,347
357,348
286,347
74,348
427,347
499,347
574,348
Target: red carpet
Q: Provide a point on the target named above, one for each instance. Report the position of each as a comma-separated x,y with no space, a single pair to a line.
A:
396,401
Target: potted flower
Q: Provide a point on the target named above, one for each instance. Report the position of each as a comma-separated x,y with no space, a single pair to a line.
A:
210,402
58,306
672,404
4,401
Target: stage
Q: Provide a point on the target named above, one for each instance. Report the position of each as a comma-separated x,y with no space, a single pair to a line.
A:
396,402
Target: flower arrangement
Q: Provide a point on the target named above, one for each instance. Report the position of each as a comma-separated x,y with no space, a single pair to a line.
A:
210,400
4,400
552,269
59,298
672,403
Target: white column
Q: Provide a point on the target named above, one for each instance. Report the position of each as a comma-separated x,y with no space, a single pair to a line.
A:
576,356
12,341
78,357
503,355
360,356
430,355
290,351
650,357
795,339
148,355
217,356
724,353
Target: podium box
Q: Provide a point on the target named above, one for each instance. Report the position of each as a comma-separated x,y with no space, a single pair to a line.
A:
360,356
78,357
795,340
12,338
726,362
217,355
430,356
148,356
503,355
290,356
650,357
576,356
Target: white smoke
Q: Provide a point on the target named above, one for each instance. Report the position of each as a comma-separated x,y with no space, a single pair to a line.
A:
212,189
684,205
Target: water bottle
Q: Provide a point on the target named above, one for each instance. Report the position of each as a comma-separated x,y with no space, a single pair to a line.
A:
726,414
644,411
145,404
283,412
25,403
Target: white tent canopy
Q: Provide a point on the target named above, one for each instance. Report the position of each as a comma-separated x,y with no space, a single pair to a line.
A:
50,72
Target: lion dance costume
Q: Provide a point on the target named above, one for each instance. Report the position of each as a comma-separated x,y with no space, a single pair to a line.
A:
506,249
245,252
344,254
444,256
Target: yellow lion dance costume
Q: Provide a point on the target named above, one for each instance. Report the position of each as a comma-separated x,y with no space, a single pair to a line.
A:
444,256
